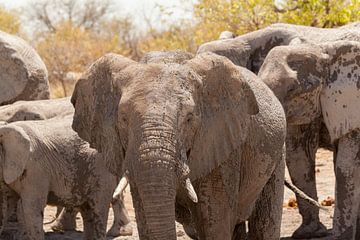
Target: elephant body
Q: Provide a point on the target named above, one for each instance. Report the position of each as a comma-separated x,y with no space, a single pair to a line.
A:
176,122
303,138
22,72
36,110
318,83
46,162
249,50
47,109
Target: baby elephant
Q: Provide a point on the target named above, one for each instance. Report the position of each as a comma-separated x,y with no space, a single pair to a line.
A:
46,162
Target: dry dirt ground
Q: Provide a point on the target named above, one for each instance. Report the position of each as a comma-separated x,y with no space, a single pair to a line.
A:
291,218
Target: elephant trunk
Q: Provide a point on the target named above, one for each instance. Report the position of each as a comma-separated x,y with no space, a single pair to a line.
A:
155,181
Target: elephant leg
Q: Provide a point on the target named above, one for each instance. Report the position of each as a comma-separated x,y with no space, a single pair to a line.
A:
30,214
213,213
265,220
357,235
122,224
239,232
66,220
302,143
347,172
95,221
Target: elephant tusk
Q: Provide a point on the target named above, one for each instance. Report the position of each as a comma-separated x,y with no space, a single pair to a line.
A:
190,190
121,187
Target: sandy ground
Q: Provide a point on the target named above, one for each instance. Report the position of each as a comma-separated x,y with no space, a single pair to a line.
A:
291,217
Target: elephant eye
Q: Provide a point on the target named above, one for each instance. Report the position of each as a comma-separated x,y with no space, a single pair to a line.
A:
124,120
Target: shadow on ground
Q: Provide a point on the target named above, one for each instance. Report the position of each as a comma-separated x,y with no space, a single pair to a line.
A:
323,238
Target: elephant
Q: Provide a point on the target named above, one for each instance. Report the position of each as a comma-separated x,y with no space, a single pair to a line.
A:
46,162
36,110
47,109
22,72
249,50
200,136
315,81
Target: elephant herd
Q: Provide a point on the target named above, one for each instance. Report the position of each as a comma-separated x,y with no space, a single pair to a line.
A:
201,139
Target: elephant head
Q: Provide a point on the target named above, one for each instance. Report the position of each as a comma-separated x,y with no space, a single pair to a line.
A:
15,151
314,80
249,50
162,123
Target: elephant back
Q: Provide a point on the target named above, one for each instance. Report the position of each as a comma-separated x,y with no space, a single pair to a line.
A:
23,75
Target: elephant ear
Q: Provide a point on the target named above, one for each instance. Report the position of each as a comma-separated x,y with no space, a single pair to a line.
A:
15,149
96,99
296,75
226,103
340,95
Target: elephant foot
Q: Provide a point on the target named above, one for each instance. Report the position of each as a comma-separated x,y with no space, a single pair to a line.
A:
117,230
312,230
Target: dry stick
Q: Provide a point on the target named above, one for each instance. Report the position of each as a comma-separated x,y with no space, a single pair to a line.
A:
303,195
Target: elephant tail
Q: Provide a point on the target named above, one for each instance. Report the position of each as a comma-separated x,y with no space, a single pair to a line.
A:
303,195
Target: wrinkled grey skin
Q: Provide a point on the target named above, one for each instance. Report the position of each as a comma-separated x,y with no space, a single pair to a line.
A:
36,110
46,162
47,109
23,75
250,50
169,124
319,83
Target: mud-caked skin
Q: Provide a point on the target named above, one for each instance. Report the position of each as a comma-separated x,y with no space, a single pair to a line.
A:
249,50
23,75
46,162
318,86
200,138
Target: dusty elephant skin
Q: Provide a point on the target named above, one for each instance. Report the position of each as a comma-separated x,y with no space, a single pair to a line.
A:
23,75
320,81
36,110
47,109
303,140
249,50
46,162
202,140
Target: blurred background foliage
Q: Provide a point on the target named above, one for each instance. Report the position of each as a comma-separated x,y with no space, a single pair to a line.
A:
70,34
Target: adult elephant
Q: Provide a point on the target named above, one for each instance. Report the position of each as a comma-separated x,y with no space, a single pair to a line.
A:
203,133
23,75
65,220
250,50
322,81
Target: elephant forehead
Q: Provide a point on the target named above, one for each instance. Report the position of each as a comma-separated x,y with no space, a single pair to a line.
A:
159,80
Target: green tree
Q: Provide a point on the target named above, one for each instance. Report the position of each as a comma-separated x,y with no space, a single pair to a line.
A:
237,16
321,13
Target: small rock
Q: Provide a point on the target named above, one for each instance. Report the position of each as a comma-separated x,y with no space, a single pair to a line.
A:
328,201
292,203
